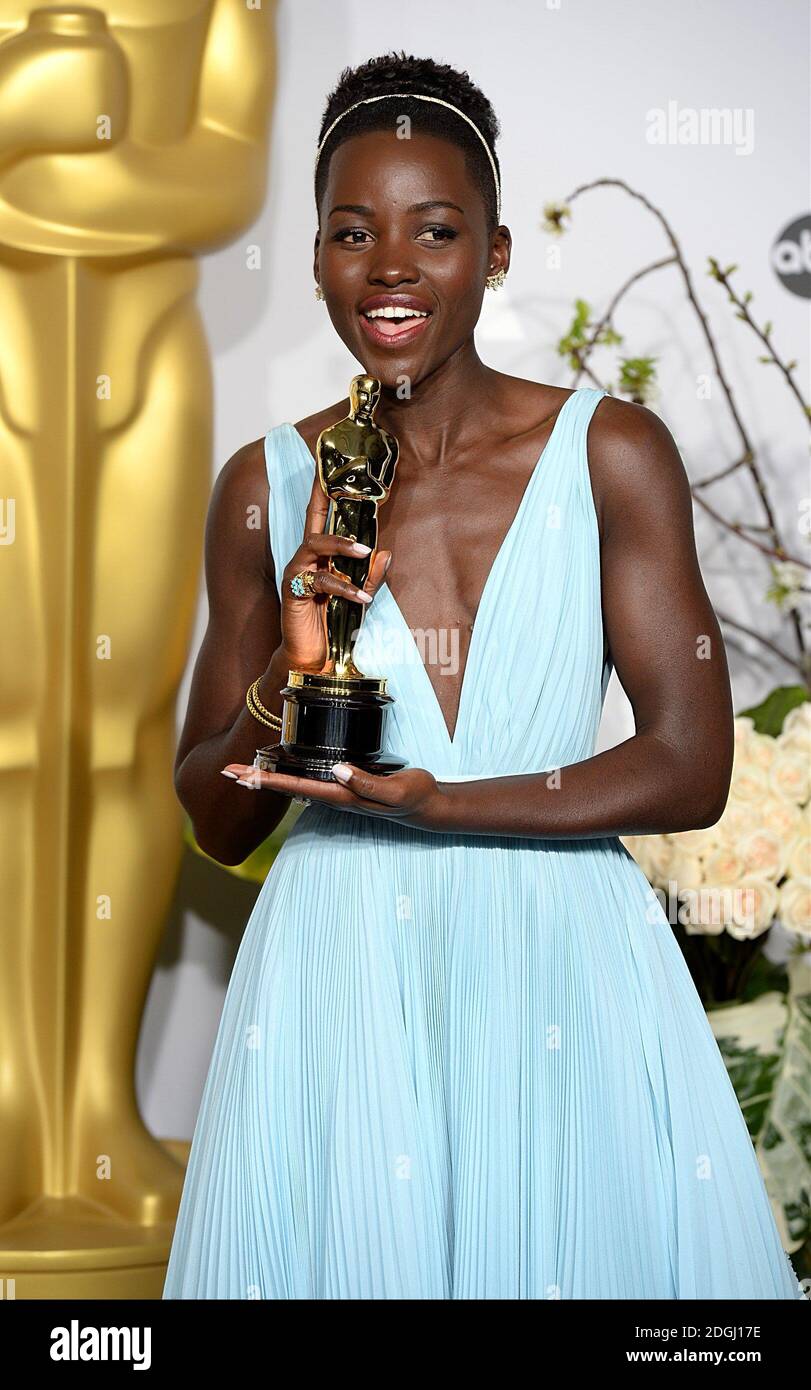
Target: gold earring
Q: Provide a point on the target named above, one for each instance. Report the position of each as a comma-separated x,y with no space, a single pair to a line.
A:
494,282
319,293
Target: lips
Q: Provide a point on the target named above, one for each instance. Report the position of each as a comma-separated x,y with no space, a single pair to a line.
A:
389,319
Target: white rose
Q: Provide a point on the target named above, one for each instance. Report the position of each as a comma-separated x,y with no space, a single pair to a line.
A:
763,853
692,842
799,855
737,819
724,865
686,871
744,728
790,775
795,906
780,816
798,743
755,905
749,782
761,750
798,720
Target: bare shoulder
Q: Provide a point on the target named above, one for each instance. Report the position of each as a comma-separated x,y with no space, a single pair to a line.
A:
237,524
242,481
633,462
527,404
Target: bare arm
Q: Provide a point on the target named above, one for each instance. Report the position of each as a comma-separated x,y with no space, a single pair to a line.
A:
250,634
668,652
242,640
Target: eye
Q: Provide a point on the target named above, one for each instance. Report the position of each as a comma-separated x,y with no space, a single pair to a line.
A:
443,232
353,232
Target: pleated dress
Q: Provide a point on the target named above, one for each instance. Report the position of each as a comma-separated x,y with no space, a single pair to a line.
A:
459,1066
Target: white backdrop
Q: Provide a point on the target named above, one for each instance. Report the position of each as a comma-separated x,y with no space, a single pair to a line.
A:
573,85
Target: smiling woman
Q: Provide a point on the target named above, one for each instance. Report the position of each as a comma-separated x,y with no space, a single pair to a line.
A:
461,1055
389,316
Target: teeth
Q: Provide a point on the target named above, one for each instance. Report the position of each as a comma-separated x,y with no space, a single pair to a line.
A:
395,312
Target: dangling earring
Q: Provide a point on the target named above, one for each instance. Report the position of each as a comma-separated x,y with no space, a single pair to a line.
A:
319,293
494,282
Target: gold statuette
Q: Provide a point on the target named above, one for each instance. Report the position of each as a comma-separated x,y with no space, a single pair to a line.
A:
338,715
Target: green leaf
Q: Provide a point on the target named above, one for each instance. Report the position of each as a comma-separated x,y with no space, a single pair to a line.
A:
766,1046
749,1037
770,714
576,338
638,376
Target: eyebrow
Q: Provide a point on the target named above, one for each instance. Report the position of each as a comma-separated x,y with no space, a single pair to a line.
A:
428,206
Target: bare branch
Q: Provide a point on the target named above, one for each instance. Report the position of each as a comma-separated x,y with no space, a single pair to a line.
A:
605,321
725,472
764,641
748,454
739,529
763,334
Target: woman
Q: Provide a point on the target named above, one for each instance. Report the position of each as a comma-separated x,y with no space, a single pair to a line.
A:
461,1055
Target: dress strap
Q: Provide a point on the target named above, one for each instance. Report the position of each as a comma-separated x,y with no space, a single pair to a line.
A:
575,442
290,469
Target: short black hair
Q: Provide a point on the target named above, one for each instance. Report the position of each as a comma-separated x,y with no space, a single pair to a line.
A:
399,72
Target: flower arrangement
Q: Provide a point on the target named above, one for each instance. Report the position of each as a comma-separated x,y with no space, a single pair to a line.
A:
731,883
754,865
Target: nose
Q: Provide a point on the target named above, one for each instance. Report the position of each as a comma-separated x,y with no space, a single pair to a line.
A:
393,262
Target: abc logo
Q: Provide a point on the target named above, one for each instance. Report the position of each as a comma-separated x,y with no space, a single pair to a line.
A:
791,257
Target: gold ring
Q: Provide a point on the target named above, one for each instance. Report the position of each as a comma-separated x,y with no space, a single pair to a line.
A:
302,585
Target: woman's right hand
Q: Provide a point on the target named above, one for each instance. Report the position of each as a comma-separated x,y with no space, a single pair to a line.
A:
304,633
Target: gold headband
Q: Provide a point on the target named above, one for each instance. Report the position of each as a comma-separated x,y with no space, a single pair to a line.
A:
418,96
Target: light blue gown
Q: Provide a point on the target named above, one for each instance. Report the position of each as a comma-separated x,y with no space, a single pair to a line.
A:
461,1066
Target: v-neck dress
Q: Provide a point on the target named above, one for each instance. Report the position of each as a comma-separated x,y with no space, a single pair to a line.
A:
459,1066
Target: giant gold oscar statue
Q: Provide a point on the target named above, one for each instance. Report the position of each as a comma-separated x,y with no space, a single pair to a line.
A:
133,137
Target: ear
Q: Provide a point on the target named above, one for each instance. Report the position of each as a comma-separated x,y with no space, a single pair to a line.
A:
316,246
500,249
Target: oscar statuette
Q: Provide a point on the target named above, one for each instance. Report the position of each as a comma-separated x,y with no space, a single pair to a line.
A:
339,714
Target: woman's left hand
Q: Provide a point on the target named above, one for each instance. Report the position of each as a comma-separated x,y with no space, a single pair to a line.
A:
412,796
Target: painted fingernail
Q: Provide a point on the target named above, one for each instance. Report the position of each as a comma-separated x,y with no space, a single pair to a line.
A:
364,597
243,782
359,549
386,566
341,771
229,774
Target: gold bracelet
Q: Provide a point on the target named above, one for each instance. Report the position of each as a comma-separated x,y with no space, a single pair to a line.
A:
258,710
261,708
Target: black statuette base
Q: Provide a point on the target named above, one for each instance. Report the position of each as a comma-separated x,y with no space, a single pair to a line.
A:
325,721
